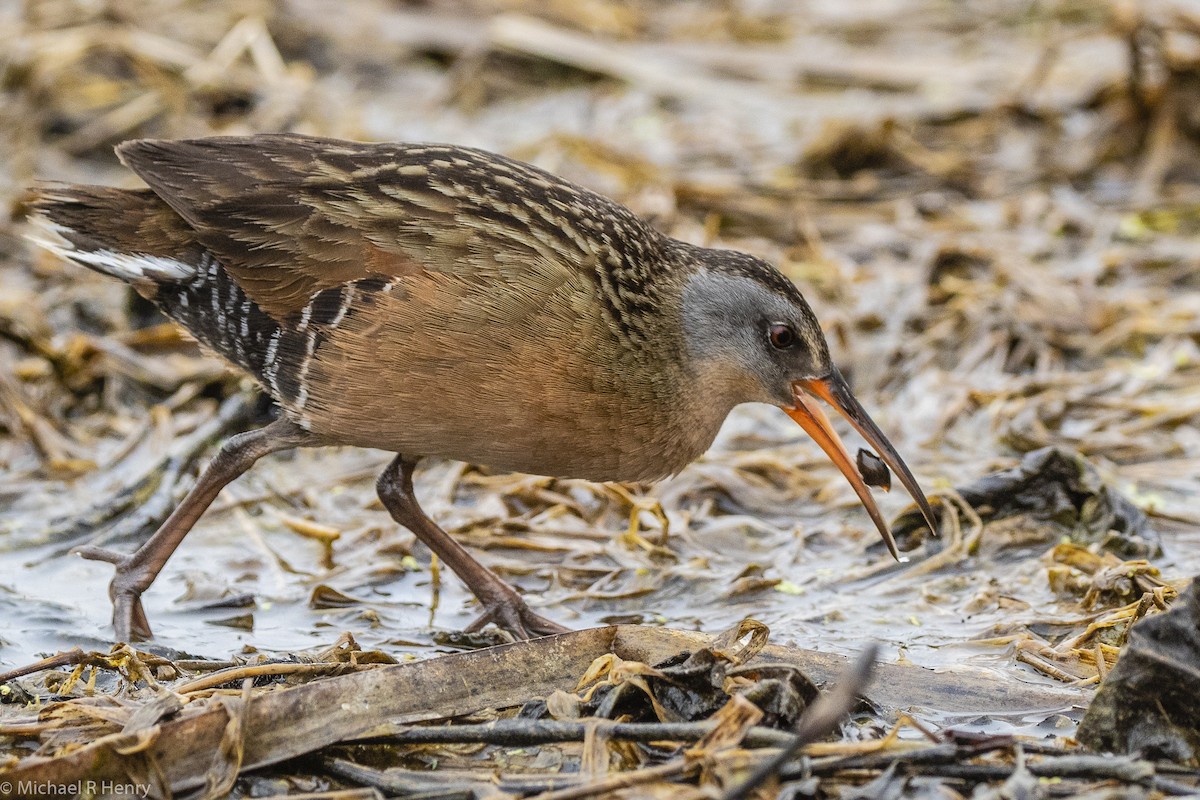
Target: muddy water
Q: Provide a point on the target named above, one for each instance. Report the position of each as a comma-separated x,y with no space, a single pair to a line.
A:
809,566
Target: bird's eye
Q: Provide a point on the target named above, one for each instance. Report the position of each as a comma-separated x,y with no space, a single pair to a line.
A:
782,336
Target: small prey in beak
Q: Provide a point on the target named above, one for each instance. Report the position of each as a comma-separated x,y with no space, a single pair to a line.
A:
833,390
873,470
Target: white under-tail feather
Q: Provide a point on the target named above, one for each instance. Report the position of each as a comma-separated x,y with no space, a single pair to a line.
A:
134,268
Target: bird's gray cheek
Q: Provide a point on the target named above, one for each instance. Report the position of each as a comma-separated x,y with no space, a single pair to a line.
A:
759,379
783,394
778,386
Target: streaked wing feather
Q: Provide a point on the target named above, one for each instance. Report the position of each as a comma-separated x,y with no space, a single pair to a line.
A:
289,216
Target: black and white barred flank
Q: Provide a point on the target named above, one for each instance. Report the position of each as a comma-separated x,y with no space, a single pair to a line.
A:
195,290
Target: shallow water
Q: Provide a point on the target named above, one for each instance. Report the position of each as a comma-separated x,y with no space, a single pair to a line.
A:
837,590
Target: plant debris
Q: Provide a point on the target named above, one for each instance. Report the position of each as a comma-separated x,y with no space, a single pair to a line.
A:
1064,495
372,721
1148,706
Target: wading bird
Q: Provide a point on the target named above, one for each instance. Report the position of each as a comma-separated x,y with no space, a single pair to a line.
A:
433,300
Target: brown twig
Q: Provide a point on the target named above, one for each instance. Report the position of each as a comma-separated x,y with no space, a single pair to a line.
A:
68,659
221,677
623,780
526,733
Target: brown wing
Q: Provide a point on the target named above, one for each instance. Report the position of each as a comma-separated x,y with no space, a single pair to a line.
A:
289,215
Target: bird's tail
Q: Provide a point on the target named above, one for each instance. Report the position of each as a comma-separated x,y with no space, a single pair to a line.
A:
136,237
131,235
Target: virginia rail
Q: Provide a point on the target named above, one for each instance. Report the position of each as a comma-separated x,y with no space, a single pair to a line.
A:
432,300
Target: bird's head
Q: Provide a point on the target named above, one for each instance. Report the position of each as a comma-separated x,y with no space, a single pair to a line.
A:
752,337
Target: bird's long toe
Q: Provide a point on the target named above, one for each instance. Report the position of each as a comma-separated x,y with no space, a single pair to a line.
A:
513,614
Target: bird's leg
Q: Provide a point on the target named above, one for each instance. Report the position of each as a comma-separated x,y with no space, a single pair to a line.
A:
136,571
502,605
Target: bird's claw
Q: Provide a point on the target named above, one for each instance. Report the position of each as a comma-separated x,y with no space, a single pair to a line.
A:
509,612
125,590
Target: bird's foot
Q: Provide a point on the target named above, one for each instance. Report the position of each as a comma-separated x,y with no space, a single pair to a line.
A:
125,590
508,611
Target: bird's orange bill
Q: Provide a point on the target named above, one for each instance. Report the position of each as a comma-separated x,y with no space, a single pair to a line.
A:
810,417
808,414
